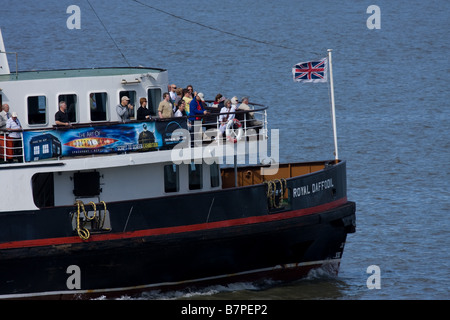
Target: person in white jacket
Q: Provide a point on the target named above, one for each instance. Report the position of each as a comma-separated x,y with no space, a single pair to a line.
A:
13,125
225,116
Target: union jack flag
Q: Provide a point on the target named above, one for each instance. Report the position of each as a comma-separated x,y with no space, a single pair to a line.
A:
311,71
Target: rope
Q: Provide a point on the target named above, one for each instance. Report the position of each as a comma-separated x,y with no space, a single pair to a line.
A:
83,232
272,191
216,29
102,221
115,43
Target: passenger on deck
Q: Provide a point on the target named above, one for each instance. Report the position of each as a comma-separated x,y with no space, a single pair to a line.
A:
218,101
61,116
165,107
234,102
181,112
143,113
124,109
250,116
179,97
234,105
172,93
13,125
225,116
4,115
197,108
191,90
210,122
243,107
187,97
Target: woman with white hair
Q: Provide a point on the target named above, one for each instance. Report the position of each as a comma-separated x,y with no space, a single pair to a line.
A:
225,115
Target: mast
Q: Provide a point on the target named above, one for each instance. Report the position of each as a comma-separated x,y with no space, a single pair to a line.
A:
4,66
333,112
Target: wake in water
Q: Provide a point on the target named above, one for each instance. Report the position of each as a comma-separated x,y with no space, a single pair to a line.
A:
263,289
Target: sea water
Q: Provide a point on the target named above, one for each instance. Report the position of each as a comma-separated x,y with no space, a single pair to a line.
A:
391,84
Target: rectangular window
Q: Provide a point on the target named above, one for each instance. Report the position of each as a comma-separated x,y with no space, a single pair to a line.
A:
153,98
171,178
36,150
132,96
215,175
86,184
43,189
71,102
45,149
195,176
37,110
97,103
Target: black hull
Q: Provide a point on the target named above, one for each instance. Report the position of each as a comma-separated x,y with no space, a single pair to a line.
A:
283,249
177,248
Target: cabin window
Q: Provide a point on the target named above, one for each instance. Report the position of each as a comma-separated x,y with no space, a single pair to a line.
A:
153,98
86,184
132,96
71,101
215,175
43,189
37,110
97,103
171,178
195,176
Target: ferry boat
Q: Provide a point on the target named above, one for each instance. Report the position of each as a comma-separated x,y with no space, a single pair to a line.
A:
103,208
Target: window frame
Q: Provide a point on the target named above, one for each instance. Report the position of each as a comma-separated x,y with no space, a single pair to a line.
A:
133,101
191,184
177,178
217,177
28,114
105,104
76,108
153,100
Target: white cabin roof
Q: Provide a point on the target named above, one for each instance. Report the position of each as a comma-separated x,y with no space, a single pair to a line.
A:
74,73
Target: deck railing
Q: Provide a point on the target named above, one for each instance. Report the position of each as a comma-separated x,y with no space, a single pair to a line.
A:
11,149
94,138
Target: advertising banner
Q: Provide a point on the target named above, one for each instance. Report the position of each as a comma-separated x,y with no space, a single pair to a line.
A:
117,138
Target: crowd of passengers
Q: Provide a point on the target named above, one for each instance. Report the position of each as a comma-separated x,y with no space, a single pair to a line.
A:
177,102
185,102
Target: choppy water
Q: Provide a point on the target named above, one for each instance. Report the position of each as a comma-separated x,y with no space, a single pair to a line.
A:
392,105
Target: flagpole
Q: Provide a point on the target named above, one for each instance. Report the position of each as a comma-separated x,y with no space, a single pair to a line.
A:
333,112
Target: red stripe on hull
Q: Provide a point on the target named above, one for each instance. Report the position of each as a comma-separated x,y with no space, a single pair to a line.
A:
179,229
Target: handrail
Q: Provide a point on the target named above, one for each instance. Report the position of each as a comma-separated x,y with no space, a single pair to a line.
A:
257,122
153,119
7,152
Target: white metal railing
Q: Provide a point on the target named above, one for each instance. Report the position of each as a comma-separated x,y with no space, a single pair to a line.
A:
252,123
11,149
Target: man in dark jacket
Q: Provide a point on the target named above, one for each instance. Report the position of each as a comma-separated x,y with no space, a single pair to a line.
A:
196,108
